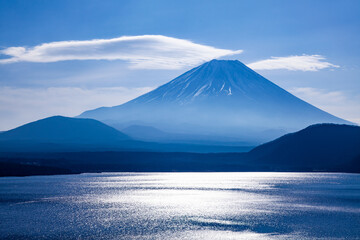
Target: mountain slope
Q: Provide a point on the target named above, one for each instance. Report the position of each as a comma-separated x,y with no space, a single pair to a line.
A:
321,146
60,129
224,98
144,133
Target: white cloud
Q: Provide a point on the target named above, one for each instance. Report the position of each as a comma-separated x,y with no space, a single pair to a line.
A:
293,63
146,51
22,105
334,102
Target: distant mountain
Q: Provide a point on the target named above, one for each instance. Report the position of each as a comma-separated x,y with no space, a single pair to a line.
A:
218,98
329,147
60,129
62,134
59,134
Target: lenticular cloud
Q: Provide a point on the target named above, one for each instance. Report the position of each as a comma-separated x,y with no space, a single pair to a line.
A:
293,63
146,51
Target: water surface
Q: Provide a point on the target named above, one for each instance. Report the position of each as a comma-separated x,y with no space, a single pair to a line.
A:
181,206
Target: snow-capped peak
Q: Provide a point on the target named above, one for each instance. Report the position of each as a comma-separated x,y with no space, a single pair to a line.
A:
217,78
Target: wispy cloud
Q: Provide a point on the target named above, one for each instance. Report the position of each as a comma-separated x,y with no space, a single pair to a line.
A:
335,102
22,105
146,51
293,63
319,95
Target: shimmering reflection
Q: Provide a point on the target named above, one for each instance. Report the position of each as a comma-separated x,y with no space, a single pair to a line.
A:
182,206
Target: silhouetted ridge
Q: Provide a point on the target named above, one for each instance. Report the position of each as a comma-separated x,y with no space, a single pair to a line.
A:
321,146
324,147
61,134
60,129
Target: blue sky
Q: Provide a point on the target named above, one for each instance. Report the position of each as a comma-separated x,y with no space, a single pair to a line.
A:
310,48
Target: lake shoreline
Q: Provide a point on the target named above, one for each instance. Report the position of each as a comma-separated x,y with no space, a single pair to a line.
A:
55,163
113,172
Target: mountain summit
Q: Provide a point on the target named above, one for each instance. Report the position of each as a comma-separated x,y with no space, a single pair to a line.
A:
217,79
217,98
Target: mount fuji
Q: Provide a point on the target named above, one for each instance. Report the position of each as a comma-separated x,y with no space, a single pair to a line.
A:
220,99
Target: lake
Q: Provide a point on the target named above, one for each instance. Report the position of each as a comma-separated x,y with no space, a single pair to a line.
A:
181,206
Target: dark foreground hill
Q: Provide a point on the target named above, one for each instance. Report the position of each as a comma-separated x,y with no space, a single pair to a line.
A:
323,147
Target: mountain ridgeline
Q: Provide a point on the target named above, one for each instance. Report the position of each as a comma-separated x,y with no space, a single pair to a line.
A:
321,147
59,129
220,98
60,133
